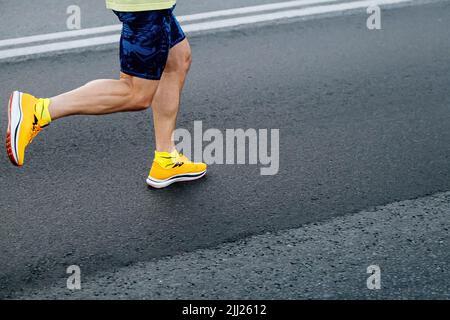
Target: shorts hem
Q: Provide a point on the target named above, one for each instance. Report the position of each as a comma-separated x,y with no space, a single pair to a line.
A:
177,42
140,75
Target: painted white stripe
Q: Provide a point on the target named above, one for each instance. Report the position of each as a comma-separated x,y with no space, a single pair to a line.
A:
59,46
192,28
60,35
310,11
187,18
252,9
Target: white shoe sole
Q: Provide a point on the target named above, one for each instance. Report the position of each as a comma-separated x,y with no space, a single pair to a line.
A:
158,184
15,116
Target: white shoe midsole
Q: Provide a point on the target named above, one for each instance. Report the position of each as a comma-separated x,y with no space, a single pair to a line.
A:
156,183
16,118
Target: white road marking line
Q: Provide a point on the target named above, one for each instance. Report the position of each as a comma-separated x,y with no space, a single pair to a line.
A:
310,11
59,46
251,9
187,18
60,35
192,28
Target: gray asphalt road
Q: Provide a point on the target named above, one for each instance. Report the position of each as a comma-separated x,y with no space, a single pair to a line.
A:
408,241
363,116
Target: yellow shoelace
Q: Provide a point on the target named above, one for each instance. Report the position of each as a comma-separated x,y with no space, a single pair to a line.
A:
176,161
34,132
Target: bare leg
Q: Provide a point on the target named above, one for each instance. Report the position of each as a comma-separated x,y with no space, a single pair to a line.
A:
166,101
105,96
133,94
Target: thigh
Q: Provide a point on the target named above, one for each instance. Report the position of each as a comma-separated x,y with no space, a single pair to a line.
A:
145,43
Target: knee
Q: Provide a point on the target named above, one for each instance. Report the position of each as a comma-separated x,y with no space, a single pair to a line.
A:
181,63
137,99
140,101
187,62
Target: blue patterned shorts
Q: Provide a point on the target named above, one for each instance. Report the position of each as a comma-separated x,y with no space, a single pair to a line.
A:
146,39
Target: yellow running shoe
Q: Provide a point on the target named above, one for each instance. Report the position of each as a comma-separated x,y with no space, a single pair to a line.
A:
27,115
173,167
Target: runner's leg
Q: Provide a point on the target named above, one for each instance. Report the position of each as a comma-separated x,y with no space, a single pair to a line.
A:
166,101
105,96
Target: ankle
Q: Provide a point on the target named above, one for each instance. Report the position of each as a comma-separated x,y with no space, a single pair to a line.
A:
166,148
